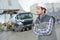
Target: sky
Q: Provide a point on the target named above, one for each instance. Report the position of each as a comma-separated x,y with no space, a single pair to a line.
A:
27,3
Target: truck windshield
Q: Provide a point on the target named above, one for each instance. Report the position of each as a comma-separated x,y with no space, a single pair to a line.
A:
24,16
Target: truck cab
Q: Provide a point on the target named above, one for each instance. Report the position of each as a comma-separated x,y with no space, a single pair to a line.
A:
24,21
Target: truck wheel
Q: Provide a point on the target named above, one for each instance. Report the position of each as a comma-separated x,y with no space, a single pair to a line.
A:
25,29
30,28
13,30
21,30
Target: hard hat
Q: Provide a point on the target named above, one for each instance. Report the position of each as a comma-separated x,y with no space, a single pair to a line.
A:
42,5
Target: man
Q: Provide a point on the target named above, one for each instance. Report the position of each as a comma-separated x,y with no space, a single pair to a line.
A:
44,24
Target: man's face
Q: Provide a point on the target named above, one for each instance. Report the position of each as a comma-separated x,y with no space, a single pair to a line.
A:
39,11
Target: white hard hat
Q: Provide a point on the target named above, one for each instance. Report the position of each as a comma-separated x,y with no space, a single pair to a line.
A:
42,5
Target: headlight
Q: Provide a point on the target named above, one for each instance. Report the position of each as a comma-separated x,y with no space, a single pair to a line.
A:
18,20
19,23
22,20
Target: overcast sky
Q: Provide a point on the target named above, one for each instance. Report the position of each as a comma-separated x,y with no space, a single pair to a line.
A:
27,3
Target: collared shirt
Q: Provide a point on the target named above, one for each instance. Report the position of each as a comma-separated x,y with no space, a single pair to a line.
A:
44,31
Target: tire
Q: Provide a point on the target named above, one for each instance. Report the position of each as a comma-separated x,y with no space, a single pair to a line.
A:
21,30
25,29
30,28
13,29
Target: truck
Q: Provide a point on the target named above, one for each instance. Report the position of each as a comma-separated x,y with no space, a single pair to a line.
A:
23,21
